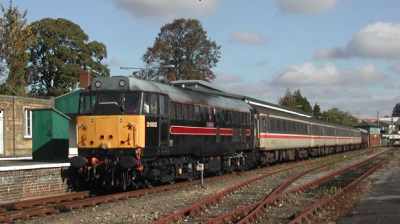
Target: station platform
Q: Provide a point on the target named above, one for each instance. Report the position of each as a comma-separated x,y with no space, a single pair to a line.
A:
25,163
22,178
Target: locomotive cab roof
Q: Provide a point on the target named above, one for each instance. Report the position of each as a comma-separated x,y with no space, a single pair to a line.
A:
123,83
205,95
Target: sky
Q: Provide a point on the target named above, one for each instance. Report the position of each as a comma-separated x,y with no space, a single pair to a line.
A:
341,54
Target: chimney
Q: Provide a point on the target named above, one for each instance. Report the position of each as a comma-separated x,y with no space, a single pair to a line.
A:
84,78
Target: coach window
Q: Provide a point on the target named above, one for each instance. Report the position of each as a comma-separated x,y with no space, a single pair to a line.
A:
264,124
278,125
272,124
289,126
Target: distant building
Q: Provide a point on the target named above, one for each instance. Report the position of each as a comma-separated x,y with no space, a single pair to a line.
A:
374,132
388,125
369,119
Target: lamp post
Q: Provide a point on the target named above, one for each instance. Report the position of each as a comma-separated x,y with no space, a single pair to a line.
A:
146,70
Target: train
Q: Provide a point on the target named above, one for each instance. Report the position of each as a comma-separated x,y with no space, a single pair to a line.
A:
137,133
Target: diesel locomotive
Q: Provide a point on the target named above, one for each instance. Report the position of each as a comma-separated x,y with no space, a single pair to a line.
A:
136,133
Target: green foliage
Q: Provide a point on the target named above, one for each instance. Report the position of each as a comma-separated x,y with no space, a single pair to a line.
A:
184,44
316,111
61,51
295,101
337,116
298,102
396,110
15,39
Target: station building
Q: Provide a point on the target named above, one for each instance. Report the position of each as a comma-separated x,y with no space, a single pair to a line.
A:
16,123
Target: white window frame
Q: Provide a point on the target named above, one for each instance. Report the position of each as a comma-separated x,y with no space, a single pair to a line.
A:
28,123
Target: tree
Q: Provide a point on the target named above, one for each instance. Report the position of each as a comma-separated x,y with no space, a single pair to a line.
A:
15,39
184,44
61,51
396,110
337,116
295,101
287,100
302,102
316,111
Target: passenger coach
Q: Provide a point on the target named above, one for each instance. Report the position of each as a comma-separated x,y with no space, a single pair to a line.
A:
286,134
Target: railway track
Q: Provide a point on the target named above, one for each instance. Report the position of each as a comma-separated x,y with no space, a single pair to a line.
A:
268,199
36,208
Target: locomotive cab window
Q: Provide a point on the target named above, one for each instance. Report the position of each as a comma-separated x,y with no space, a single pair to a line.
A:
87,103
109,98
131,102
150,104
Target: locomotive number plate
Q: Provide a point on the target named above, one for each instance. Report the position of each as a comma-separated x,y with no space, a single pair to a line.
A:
151,124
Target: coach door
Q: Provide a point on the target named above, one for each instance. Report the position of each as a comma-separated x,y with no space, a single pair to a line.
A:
164,123
257,131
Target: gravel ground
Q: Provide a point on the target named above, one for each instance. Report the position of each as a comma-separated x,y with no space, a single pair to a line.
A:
380,203
144,209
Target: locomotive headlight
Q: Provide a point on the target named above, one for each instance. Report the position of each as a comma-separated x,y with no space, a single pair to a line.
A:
122,83
97,84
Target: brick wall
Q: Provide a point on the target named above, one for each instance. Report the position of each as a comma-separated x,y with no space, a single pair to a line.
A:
19,185
14,142
374,140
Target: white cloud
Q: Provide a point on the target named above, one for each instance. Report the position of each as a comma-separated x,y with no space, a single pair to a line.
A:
167,10
396,68
378,41
342,91
308,74
306,6
248,37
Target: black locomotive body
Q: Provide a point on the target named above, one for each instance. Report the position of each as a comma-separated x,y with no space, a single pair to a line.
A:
134,132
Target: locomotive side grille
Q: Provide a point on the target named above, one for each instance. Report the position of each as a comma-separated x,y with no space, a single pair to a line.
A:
188,111
178,110
173,110
236,118
191,112
185,109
